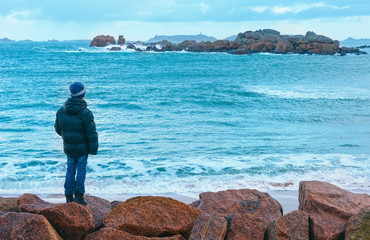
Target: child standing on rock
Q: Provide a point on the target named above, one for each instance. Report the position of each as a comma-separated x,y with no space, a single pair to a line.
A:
75,123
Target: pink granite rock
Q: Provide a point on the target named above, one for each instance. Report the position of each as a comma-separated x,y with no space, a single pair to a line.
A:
243,201
246,227
99,208
209,227
70,220
9,204
15,225
292,226
329,207
153,217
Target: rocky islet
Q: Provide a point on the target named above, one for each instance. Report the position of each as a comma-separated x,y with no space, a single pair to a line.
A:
249,42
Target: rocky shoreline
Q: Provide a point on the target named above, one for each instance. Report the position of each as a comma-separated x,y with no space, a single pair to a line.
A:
249,42
325,212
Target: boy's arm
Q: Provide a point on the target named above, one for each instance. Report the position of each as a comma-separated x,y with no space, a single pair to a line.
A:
57,126
91,134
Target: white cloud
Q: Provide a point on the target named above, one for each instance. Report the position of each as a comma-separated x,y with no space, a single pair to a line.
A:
204,7
297,8
304,7
281,10
259,9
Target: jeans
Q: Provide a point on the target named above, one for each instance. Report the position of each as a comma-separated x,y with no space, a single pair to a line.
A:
75,183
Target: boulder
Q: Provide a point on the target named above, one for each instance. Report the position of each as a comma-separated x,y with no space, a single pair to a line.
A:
284,47
32,203
114,234
99,208
131,46
246,227
358,227
15,225
220,46
115,204
153,217
70,220
209,227
329,207
293,39
115,49
257,47
329,48
108,233
121,40
271,31
9,204
270,46
244,201
293,226
346,50
195,203
102,41
313,37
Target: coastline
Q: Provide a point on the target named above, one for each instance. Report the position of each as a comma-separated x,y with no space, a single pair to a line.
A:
235,213
288,199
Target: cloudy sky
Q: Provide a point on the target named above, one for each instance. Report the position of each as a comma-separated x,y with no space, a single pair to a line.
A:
141,20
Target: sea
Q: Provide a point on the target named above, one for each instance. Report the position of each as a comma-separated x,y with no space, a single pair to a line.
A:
185,123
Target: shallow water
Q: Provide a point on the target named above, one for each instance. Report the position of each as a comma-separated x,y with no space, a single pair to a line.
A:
186,122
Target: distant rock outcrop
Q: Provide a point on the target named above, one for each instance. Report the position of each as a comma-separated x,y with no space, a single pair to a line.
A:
102,41
249,42
121,40
6,40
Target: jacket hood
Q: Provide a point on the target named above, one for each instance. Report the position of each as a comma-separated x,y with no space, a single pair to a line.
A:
74,105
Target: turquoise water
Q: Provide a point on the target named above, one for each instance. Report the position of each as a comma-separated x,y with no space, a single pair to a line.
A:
186,122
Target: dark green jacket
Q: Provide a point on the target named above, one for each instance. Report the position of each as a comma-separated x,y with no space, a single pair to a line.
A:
75,123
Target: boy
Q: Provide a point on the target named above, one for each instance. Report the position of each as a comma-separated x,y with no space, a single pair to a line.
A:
75,123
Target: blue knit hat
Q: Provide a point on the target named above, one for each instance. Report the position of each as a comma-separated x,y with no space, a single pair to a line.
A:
77,90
